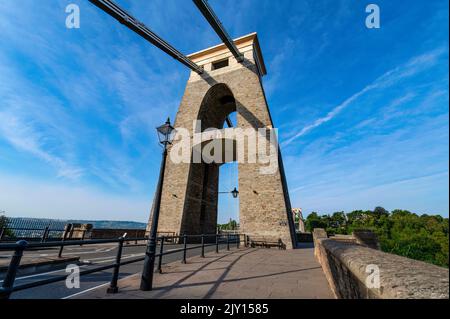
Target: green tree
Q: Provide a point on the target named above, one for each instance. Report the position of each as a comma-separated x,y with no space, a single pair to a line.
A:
380,211
338,223
231,225
4,223
400,232
314,221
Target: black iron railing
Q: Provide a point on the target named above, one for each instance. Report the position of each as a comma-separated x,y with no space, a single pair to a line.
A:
15,228
8,285
30,234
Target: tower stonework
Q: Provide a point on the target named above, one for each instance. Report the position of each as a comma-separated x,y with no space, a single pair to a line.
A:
190,190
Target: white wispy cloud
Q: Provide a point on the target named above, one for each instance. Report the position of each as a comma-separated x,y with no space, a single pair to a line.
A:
388,79
61,201
77,106
32,120
389,195
24,138
277,63
405,167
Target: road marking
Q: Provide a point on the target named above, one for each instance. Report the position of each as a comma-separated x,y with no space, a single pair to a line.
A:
84,291
131,256
96,287
113,259
41,274
100,250
105,246
105,250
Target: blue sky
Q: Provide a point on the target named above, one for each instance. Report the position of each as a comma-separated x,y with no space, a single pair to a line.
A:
362,113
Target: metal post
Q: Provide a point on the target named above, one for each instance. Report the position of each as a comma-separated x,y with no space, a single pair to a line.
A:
184,248
67,228
238,240
161,251
8,282
203,246
113,289
44,235
71,232
83,235
149,262
228,241
2,233
217,243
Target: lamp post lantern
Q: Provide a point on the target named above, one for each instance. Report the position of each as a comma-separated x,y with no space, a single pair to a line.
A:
165,135
234,193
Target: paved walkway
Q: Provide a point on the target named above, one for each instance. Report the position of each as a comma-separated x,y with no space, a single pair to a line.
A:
236,274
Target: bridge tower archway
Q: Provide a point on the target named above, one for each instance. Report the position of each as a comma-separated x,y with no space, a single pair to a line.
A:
190,192
202,191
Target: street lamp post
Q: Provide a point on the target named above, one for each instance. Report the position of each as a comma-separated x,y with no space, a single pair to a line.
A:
235,194
165,135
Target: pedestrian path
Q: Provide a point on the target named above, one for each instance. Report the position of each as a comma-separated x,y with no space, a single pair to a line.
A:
237,274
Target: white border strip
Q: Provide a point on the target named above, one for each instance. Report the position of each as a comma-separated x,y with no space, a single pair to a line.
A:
96,287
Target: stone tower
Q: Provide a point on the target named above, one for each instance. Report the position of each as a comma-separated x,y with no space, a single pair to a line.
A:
190,192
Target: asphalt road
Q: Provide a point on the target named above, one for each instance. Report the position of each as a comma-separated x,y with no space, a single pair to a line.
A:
91,256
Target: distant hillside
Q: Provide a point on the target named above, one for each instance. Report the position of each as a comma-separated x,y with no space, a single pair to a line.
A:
111,224
26,222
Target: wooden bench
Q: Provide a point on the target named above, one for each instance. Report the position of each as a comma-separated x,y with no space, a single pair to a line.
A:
168,236
267,244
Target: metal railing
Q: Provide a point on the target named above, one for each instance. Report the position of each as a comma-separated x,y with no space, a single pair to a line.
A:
30,234
19,222
31,228
8,285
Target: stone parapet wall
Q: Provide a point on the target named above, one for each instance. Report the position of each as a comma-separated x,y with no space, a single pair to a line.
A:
366,238
348,266
86,231
304,237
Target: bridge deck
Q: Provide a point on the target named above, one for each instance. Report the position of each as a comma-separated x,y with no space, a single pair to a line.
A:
235,274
